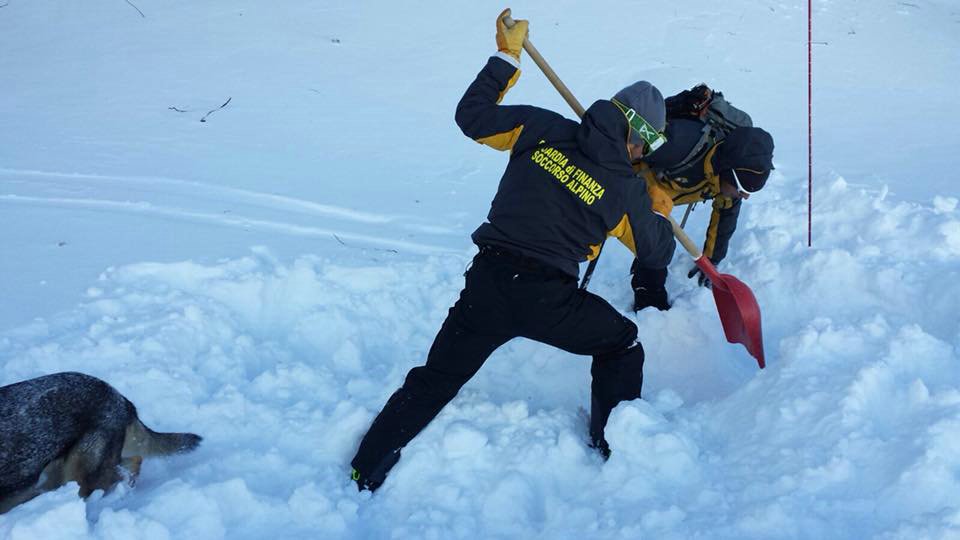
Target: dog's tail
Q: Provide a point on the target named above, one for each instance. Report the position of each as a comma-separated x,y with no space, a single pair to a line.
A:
143,441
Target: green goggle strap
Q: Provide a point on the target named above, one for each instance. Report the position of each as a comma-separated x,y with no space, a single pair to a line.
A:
647,132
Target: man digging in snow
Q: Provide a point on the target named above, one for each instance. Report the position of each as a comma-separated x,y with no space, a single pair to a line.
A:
566,187
712,152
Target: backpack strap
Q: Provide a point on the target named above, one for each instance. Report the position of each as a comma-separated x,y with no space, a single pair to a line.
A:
727,117
719,118
707,139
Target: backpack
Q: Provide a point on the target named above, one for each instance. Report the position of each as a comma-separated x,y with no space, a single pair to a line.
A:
719,118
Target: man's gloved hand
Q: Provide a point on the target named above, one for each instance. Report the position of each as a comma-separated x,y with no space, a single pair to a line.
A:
510,40
659,200
702,279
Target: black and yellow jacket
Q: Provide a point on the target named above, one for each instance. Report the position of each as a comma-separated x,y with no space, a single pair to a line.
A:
567,185
699,182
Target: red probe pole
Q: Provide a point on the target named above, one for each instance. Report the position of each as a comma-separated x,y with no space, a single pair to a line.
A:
809,123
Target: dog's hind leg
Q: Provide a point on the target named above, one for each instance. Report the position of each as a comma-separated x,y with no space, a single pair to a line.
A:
93,461
132,466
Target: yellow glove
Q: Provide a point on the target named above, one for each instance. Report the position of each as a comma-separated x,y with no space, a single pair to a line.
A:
510,40
659,200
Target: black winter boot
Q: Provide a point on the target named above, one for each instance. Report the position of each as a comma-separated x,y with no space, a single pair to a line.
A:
598,420
374,479
616,377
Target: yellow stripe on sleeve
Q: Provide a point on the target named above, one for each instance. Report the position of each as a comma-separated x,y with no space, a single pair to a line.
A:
510,83
711,240
624,233
502,141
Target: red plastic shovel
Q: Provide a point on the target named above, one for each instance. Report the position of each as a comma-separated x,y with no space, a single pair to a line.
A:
736,305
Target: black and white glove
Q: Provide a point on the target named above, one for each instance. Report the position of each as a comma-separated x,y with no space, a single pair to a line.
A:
702,279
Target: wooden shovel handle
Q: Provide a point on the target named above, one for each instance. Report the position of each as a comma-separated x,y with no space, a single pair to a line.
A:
688,244
692,249
548,71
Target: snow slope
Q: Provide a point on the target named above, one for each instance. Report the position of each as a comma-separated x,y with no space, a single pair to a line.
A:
267,277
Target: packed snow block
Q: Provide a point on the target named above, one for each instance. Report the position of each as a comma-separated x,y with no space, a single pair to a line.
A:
311,507
292,382
195,513
57,515
348,357
649,452
121,524
893,392
945,205
664,521
936,469
462,440
951,238
515,411
513,507
666,401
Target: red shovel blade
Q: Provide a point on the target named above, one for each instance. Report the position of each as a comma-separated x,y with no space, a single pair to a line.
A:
738,309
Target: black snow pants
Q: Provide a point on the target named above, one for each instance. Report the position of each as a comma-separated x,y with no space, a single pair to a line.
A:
506,296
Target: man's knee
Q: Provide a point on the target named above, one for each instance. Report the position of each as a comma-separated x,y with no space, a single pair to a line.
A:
427,384
625,340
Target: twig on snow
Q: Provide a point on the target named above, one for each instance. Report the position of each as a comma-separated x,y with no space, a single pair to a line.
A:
136,8
388,250
225,103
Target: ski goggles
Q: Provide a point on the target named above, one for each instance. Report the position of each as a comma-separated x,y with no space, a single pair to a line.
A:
641,131
753,179
736,180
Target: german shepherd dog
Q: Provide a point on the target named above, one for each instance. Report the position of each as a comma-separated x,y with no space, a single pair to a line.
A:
72,427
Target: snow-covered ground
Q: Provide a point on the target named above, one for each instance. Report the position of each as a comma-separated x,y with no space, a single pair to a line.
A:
267,277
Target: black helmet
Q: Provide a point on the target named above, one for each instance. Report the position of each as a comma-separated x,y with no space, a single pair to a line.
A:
745,158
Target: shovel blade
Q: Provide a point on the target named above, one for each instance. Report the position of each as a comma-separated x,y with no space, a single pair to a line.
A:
738,310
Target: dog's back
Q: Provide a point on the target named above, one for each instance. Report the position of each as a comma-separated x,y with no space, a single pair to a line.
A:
71,426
